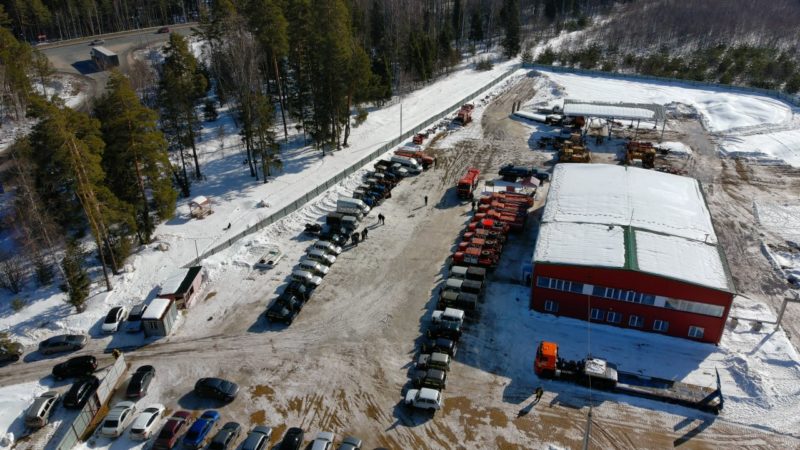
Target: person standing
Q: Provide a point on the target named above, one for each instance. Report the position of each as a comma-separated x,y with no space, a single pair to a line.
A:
473,205
426,200
539,393
364,235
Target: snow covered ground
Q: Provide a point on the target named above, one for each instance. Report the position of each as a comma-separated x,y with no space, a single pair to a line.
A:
780,147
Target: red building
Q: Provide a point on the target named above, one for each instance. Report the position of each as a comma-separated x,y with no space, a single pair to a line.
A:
632,248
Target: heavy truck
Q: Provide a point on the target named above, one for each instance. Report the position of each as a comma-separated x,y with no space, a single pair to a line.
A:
464,114
467,184
603,375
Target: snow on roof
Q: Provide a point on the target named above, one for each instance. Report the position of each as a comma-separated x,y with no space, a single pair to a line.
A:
616,195
103,50
199,200
156,308
557,243
616,112
172,284
683,259
625,217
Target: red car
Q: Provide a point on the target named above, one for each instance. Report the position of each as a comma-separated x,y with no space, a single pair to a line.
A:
168,436
163,30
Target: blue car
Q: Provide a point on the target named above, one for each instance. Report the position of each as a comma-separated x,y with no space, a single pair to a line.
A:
201,428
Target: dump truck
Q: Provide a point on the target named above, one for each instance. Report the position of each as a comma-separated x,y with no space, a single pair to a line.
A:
601,374
464,114
421,158
467,184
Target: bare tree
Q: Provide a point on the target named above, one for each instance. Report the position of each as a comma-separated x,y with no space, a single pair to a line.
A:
12,273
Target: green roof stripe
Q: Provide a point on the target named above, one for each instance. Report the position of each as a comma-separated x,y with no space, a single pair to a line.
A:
631,262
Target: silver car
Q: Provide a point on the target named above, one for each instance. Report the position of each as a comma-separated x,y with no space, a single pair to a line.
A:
63,343
38,413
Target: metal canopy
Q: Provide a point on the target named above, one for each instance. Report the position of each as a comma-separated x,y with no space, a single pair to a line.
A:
632,111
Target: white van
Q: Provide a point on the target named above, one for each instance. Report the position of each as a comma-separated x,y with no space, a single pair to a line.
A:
327,247
350,202
306,278
410,164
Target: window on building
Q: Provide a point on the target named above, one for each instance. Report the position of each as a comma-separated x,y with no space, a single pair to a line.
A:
696,332
635,321
660,325
597,314
551,306
543,282
613,317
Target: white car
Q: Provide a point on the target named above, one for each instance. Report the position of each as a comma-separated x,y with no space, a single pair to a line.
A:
114,319
306,278
147,422
425,398
118,419
313,267
327,247
321,256
323,441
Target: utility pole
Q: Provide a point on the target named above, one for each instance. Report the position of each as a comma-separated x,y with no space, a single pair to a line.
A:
588,432
401,117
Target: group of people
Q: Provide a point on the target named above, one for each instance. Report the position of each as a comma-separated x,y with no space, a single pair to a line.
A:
356,236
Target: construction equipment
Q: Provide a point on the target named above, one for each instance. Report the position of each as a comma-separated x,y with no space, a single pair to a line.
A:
643,151
569,151
467,184
419,138
600,374
464,115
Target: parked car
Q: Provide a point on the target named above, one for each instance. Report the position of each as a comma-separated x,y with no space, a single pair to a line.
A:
431,378
200,429
306,277
133,324
63,343
38,414
441,345
10,351
321,257
80,392
163,30
226,437
257,439
449,315
424,398
75,367
350,443
299,290
216,388
292,439
433,360
97,42
328,247
277,312
140,381
168,436
120,416
146,422
447,330
313,267
512,172
290,301
114,318
323,441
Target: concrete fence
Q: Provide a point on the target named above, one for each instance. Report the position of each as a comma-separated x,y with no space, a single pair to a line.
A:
332,181
794,100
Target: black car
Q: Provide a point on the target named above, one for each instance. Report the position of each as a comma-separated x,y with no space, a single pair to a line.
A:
292,440
10,351
299,290
448,330
140,381
290,301
280,313
335,235
226,436
512,172
75,367
80,392
431,378
441,345
216,388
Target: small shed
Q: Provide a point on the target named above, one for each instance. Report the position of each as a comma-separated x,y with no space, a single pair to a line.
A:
200,206
183,286
159,317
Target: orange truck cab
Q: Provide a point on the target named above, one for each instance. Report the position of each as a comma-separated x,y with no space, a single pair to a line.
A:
546,359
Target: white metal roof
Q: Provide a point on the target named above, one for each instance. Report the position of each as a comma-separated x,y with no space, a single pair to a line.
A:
625,217
199,200
173,283
156,308
608,111
103,50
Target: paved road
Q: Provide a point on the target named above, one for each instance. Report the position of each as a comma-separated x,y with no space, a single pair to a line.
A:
73,57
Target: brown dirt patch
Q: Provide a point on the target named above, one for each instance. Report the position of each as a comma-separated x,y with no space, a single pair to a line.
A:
258,418
262,390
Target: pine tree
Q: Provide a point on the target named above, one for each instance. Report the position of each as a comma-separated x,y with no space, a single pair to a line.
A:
475,27
456,20
510,17
182,86
135,158
299,16
76,278
265,145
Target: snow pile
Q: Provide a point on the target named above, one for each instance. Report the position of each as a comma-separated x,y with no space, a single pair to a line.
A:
780,219
779,146
14,401
69,88
674,148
